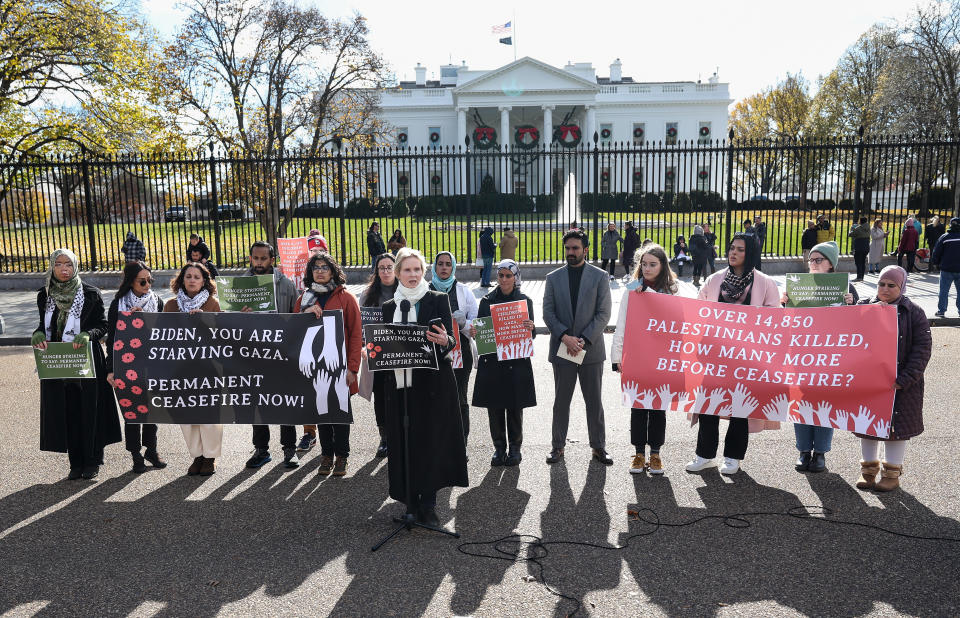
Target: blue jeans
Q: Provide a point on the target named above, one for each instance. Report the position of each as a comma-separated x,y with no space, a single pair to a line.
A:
813,438
948,279
485,273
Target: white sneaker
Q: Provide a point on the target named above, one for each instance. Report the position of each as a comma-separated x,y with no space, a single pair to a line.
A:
730,466
698,463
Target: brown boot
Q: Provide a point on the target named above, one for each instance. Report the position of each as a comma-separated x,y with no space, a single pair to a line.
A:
889,478
326,464
868,474
208,467
340,467
194,468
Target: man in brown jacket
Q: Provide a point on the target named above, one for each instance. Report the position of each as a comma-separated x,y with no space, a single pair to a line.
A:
508,245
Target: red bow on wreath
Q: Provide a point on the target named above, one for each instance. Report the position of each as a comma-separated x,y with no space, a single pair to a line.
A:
483,132
569,130
531,131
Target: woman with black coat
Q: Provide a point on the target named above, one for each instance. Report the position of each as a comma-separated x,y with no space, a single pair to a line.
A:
135,294
505,387
77,416
436,451
380,289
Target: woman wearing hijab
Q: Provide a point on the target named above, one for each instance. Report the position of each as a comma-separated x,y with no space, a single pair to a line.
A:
77,416
437,454
909,242
913,353
325,290
380,289
878,240
740,283
135,294
196,292
505,387
463,305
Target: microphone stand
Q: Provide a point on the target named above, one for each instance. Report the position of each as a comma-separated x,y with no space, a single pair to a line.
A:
408,520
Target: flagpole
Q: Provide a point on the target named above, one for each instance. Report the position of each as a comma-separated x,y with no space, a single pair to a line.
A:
514,35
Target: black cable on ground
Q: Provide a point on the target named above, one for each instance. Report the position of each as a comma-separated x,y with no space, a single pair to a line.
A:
533,549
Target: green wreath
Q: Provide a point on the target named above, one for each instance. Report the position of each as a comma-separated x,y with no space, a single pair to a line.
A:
672,132
638,132
704,131
402,180
484,138
402,138
523,131
605,133
435,179
434,137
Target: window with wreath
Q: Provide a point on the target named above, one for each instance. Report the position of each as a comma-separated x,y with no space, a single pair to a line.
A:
403,137
606,133
373,183
637,179
436,182
670,179
433,137
403,183
703,178
703,133
605,180
671,133
639,131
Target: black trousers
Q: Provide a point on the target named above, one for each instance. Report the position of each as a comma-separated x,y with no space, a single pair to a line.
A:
734,443
261,437
860,258
334,440
506,428
136,437
647,427
81,436
612,267
379,399
911,260
699,269
463,380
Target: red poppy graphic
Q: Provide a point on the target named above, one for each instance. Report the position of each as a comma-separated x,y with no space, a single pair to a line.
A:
128,357
117,345
135,343
126,403
373,354
131,374
126,313
136,390
378,349
121,325
130,415
142,409
137,323
369,346
119,384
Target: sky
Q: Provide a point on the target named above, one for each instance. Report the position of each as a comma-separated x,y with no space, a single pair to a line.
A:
754,43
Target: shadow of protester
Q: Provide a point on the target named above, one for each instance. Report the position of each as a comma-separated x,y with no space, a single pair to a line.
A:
745,547
585,521
489,511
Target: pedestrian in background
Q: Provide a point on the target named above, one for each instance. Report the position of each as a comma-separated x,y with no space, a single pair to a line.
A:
878,243
712,241
909,241
701,252
631,242
396,242
946,255
760,228
610,249
133,250
681,254
860,234
375,246
508,245
486,251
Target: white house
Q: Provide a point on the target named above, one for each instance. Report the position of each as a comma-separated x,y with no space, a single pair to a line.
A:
527,105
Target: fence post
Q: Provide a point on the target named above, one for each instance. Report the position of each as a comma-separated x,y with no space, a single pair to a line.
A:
596,194
338,143
216,208
858,182
466,163
729,200
88,207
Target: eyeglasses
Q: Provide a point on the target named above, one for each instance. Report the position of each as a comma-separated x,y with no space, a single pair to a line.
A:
385,269
887,285
817,261
323,268
147,281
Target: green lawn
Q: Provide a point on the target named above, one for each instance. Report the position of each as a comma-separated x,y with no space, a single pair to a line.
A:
25,249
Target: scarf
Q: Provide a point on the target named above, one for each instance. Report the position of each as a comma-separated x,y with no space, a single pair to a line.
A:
444,285
187,304
66,296
404,377
733,286
310,294
512,267
147,302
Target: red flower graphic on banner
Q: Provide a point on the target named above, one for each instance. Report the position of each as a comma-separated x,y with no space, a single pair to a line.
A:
142,409
137,323
378,349
121,325
135,343
119,384
126,403
126,313
117,345
130,415
136,390
127,358
369,346
131,375
373,354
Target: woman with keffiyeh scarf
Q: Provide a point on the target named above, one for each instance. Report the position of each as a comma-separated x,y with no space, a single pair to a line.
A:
738,284
135,294
77,416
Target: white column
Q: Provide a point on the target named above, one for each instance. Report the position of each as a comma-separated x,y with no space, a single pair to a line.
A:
462,134
591,124
505,141
545,139
590,129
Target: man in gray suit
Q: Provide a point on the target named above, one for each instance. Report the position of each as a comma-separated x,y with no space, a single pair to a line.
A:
576,308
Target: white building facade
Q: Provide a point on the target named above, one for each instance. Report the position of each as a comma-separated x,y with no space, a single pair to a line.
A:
541,114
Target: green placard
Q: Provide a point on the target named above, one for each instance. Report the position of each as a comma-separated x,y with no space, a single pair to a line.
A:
60,360
253,291
816,289
485,339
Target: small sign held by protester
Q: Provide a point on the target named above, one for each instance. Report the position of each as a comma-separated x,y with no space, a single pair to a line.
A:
256,292
60,361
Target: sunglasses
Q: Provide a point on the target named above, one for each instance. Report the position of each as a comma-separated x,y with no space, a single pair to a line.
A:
321,269
147,281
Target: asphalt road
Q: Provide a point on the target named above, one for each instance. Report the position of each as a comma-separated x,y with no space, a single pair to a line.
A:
272,542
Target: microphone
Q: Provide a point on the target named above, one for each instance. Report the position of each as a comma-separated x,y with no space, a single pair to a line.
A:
404,311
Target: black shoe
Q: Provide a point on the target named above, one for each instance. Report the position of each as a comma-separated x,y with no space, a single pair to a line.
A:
75,474
803,462
513,459
428,516
601,455
818,463
382,449
555,456
90,472
290,459
154,458
138,466
498,459
259,458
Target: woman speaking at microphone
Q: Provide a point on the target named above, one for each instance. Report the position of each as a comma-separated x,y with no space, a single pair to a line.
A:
436,451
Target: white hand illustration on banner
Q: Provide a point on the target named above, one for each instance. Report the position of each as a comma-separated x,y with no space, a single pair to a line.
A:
741,403
683,400
321,384
307,362
841,420
862,420
882,428
330,356
629,393
804,413
724,411
456,358
699,398
717,396
778,409
823,413
666,397
646,399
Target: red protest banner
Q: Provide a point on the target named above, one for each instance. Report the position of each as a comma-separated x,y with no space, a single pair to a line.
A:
826,366
513,338
293,258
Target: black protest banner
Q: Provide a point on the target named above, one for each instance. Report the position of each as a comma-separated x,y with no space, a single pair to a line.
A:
370,315
242,368
398,346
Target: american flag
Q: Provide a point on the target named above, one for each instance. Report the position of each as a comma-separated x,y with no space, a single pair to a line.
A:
502,29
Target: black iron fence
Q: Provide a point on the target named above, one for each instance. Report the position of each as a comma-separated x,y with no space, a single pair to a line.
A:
442,198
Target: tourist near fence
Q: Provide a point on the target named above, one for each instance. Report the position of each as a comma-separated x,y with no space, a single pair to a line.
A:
946,255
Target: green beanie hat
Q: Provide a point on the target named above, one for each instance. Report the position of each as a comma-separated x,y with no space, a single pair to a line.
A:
829,250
